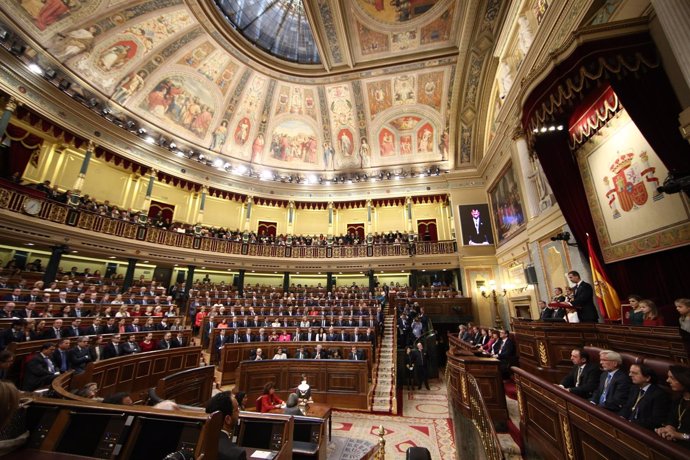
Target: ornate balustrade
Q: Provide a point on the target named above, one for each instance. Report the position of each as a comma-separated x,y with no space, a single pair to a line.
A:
13,198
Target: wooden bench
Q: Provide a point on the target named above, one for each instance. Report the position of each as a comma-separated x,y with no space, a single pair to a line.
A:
134,374
340,384
544,347
233,354
487,373
22,350
556,424
74,429
191,387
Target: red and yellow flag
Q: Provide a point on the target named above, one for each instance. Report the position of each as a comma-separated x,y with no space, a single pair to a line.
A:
607,297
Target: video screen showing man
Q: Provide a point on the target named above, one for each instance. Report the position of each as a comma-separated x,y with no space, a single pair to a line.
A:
475,225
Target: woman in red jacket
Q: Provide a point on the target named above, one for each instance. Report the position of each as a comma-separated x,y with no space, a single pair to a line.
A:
269,400
147,344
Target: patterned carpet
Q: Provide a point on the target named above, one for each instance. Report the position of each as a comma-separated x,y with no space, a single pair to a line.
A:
424,422
383,400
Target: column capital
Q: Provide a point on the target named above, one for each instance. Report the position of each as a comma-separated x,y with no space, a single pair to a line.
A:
518,133
90,146
250,199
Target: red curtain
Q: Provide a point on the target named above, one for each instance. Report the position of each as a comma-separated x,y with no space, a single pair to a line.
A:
426,229
268,228
357,229
655,114
166,209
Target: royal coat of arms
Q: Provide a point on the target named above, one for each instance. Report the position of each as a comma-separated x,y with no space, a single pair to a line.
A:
628,184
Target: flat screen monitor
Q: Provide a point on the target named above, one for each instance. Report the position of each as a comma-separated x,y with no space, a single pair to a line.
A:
92,434
158,437
261,434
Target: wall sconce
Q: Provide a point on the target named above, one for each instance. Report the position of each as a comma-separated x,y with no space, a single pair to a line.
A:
493,293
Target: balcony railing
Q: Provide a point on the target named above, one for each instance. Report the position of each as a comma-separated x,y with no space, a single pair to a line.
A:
15,199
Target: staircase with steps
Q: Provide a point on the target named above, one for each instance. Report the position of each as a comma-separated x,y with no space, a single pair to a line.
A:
383,399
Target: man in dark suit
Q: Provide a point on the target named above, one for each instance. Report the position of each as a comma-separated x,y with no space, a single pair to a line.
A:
166,343
79,356
647,404
94,328
59,357
475,230
614,383
356,355
583,379
583,299
221,339
178,341
226,404
248,336
15,296
331,336
54,332
15,333
112,348
131,346
40,370
27,312
8,310
421,363
504,351
320,353
301,353
343,336
134,326
73,330
370,336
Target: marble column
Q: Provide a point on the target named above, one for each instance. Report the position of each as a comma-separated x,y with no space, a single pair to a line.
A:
129,274
202,204
674,17
531,194
79,183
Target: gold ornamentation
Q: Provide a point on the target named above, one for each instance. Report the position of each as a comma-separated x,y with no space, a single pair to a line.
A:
5,197
463,387
543,355
566,436
11,105
521,401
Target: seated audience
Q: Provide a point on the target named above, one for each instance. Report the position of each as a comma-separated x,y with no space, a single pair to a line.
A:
268,400
79,355
677,425
40,370
504,351
583,379
647,403
651,313
614,384
683,308
226,404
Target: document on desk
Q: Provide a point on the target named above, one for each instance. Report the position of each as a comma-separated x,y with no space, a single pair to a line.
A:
263,454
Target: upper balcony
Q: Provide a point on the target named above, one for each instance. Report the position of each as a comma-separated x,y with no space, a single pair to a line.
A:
29,216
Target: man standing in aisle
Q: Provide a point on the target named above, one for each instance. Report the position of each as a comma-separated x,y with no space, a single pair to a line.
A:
421,360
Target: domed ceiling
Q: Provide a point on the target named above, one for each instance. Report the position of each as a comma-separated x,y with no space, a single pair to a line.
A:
319,85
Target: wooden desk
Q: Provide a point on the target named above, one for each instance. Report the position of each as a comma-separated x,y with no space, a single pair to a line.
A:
233,353
338,383
316,410
544,347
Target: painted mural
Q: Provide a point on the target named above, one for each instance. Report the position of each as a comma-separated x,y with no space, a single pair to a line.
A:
380,96
372,42
395,11
47,12
182,102
438,30
294,145
152,57
430,88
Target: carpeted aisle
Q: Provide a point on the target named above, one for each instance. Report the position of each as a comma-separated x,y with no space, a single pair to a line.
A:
424,422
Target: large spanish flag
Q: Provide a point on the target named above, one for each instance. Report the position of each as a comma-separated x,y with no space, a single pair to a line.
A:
607,297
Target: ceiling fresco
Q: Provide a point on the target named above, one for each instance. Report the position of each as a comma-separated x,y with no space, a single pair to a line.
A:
372,103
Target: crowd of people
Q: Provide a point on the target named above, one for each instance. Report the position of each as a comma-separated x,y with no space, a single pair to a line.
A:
106,209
